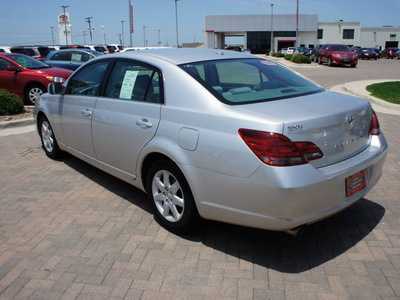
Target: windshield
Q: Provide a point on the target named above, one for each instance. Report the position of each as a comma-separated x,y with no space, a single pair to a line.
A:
243,81
342,48
28,62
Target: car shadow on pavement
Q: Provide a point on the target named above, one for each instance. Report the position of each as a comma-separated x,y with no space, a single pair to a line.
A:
319,243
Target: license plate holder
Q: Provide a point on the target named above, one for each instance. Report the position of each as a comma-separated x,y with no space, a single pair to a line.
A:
356,183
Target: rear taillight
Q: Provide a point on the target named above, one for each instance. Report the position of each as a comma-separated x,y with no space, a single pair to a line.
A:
374,128
275,149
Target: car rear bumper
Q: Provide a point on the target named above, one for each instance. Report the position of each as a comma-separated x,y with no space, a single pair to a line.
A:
282,198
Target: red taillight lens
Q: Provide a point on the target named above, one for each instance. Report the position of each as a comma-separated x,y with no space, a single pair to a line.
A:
374,128
275,149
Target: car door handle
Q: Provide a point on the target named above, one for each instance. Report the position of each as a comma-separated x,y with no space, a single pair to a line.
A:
144,123
86,113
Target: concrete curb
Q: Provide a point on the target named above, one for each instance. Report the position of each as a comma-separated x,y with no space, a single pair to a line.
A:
17,123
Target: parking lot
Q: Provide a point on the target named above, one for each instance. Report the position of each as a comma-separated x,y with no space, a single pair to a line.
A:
70,231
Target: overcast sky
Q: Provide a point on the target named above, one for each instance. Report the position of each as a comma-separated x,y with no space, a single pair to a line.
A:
29,22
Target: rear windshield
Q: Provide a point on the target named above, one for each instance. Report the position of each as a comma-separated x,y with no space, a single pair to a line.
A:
243,81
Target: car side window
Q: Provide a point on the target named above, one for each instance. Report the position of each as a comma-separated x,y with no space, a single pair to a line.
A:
133,81
63,55
4,64
87,81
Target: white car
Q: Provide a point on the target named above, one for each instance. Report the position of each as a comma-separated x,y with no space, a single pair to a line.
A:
290,50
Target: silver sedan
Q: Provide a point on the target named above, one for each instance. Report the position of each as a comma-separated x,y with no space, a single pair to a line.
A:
217,135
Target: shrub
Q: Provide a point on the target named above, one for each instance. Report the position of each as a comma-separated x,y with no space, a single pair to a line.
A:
301,59
278,54
10,104
289,57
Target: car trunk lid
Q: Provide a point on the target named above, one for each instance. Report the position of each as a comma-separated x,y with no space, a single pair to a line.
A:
338,124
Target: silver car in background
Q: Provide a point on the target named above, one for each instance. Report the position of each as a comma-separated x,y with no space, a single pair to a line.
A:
218,135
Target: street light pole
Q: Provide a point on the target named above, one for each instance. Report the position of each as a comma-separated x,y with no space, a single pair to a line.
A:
65,24
144,35
123,38
297,28
159,39
52,34
272,29
176,18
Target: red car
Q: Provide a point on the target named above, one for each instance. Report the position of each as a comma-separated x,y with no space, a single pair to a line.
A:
389,52
337,54
28,77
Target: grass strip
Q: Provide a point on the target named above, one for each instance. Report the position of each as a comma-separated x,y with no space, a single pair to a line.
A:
388,91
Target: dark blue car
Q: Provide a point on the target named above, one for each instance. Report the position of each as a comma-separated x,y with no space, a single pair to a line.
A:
70,59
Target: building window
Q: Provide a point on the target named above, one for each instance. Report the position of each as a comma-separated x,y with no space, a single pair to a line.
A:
348,34
320,34
393,36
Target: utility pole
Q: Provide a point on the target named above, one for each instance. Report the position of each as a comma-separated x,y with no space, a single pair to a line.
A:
123,38
159,39
65,24
89,21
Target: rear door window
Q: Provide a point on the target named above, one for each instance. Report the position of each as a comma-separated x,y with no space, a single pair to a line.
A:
130,80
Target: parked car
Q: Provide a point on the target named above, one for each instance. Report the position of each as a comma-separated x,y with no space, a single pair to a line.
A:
389,52
28,77
283,50
305,153
367,53
398,54
304,51
290,50
377,51
70,59
27,50
314,52
337,54
5,49
45,50
102,49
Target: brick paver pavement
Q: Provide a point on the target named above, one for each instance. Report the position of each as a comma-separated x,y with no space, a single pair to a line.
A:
70,231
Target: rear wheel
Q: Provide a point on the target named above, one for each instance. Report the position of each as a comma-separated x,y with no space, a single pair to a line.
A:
319,60
171,197
48,139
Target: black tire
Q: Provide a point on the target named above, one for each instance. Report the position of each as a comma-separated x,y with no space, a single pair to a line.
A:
171,198
48,139
32,92
319,60
330,62
353,66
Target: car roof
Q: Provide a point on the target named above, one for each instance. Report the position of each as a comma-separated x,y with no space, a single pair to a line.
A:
181,56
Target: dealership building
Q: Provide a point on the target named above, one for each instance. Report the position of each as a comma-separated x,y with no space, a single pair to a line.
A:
256,32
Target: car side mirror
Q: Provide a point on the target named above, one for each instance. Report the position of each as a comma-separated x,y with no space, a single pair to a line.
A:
12,69
55,88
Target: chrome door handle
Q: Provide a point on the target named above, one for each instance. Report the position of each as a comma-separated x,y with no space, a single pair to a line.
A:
86,113
144,123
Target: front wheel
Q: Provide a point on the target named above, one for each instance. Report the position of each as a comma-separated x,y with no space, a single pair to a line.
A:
330,62
171,198
48,139
353,66
33,92
319,60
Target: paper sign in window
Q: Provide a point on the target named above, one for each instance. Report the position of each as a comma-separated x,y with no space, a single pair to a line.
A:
76,57
128,84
